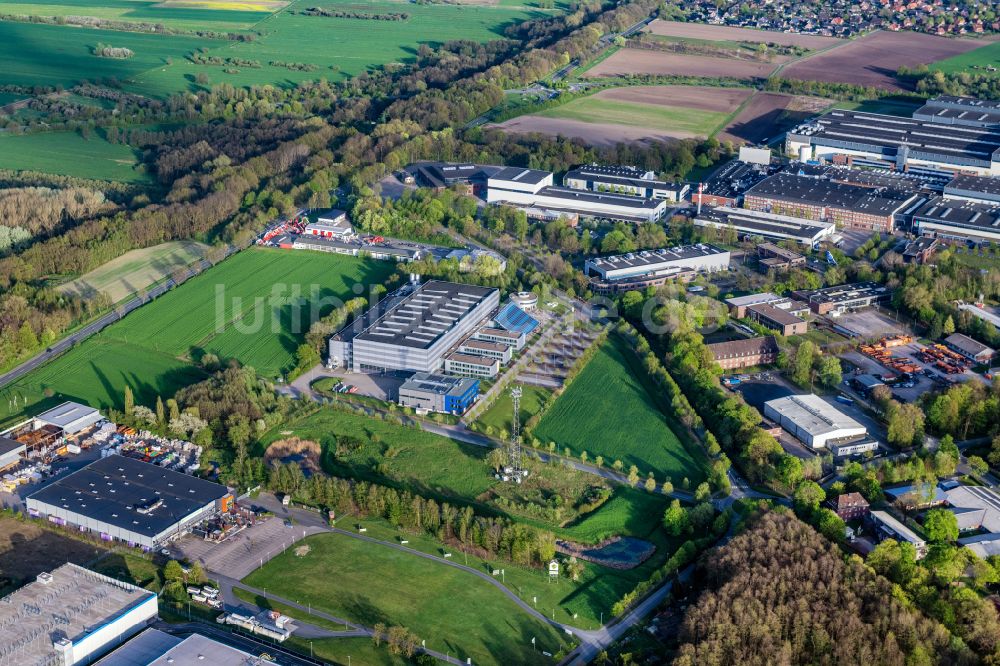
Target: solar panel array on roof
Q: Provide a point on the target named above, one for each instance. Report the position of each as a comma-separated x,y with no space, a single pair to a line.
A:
513,318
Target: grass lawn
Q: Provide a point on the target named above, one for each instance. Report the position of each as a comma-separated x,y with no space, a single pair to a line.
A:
636,114
450,609
414,459
152,349
628,511
130,568
362,651
498,416
135,270
609,411
583,603
984,56
69,154
359,447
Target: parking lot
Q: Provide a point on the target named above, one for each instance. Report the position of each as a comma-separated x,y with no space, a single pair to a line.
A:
867,324
241,554
380,386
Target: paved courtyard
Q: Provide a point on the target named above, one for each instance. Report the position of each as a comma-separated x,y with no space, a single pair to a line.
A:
238,556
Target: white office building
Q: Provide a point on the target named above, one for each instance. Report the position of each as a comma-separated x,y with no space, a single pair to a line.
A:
530,188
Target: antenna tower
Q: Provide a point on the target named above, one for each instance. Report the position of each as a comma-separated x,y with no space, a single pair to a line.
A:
515,471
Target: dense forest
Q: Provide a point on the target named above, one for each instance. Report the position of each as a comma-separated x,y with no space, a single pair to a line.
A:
781,594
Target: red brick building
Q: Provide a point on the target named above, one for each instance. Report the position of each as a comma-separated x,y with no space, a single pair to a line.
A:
849,206
850,506
745,353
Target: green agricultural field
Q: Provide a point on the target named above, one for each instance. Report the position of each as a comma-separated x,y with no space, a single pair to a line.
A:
248,306
608,411
135,270
892,107
973,62
339,46
636,114
152,349
498,416
141,11
69,154
9,98
52,55
96,373
334,47
450,609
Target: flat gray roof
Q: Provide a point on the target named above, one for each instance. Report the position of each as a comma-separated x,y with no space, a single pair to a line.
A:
142,650
968,184
959,213
157,648
521,175
764,224
420,318
948,144
847,292
621,176
73,604
570,196
753,299
67,413
471,359
130,494
649,258
438,384
813,414
822,192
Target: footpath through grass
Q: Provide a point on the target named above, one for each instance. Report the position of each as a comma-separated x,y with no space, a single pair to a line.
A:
608,410
356,446
449,608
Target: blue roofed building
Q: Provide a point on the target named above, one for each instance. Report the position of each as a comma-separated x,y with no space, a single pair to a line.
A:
514,319
917,496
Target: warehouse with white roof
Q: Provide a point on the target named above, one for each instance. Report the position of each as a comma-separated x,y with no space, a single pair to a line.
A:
812,420
70,417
